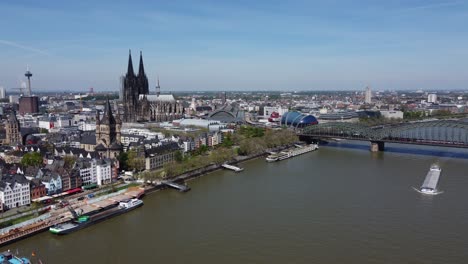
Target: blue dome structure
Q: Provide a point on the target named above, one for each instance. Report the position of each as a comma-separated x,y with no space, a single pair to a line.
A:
298,120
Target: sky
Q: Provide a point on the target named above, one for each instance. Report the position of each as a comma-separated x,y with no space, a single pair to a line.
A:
236,45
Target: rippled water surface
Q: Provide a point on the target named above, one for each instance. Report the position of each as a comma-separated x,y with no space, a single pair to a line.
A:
341,204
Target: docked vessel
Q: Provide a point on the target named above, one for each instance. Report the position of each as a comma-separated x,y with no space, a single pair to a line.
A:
429,185
272,157
8,257
80,222
286,154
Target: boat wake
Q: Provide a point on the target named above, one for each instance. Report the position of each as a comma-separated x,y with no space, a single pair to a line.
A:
428,193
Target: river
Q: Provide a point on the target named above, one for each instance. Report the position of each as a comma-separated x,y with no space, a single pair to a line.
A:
340,204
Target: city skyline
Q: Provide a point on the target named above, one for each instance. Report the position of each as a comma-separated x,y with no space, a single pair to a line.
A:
237,46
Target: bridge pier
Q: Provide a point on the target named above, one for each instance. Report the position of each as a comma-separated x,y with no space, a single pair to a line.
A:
376,146
308,140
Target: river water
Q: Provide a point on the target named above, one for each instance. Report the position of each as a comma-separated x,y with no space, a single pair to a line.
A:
340,204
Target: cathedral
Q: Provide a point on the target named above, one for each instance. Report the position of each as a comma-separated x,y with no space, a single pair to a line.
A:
139,105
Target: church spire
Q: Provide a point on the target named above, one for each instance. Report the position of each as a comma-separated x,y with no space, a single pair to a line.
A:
141,69
130,71
108,117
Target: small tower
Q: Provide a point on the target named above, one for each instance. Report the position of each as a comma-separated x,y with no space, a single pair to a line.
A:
28,74
12,127
158,88
118,127
98,124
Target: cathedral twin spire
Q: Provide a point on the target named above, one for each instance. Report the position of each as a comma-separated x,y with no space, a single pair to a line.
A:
141,69
141,79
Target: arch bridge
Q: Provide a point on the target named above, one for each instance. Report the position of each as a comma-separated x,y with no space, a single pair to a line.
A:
448,133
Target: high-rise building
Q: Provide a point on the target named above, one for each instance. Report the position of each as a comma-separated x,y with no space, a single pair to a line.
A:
368,95
432,98
2,92
28,105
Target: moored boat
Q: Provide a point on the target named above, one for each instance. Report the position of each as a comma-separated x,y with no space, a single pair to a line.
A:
80,222
286,154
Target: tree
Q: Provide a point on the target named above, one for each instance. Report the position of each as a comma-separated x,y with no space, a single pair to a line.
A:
178,157
123,160
69,161
227,142
222,155
32,159
134,161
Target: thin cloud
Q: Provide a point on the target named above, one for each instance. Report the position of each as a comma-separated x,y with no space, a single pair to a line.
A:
19,46
434,5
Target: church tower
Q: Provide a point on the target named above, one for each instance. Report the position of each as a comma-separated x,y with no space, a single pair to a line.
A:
12,127
130,92
143,87
108,133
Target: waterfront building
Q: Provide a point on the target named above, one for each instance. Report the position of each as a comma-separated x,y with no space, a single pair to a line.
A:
188,145
215,139
103,171
37,189
139,105
94,171
51,180
14,191
156,157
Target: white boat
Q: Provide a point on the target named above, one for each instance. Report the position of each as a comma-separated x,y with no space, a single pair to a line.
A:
233,168
429,185
284,155
272,158
130,204
297,150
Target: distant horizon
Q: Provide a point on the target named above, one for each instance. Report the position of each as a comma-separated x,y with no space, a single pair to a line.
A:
198,91
271,45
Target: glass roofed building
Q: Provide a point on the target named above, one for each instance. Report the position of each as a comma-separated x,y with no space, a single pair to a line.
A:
298,120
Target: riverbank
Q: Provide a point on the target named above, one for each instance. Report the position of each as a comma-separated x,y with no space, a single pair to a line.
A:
196,173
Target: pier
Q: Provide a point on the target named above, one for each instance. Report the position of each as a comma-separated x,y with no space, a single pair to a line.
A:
180,187
231,167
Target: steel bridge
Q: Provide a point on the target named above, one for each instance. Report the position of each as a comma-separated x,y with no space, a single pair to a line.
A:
448,133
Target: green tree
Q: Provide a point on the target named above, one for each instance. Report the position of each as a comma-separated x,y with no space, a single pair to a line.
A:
123,160
32,159
135,161
227,141
69,161
178,157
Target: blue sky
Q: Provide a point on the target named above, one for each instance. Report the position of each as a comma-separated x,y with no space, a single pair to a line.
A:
237,45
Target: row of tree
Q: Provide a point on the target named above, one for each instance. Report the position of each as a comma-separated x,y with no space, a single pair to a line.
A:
249,141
